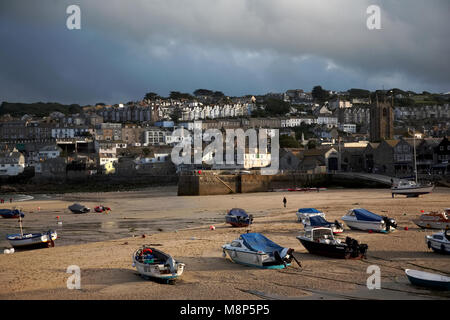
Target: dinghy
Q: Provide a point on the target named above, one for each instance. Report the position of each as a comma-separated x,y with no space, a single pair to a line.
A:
321,241
238,218
434,220
153,263
362,219
10,214
79,208
428,280
303,213
439,242
101,209
32,240
319,221
254,249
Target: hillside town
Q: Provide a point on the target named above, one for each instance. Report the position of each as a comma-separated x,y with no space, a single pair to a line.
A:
320,131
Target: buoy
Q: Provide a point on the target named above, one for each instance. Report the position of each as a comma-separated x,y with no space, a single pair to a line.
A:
422,211
370,231
212,228
406,228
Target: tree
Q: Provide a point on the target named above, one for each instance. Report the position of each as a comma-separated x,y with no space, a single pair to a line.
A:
311,144
320,94
203,92
275,107
287,141
179,95
176,114
151,96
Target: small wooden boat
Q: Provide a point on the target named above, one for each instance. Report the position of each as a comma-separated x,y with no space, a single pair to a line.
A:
254,249
79,208
434,220
153,263
439,242
428,280
238,218
10,214
362,219
321,241
411,188
32,240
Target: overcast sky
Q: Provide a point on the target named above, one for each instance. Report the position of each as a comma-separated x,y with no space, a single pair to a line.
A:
127,48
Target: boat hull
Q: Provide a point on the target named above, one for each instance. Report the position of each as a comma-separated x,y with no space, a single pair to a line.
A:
329,250
439,246
31,241
422,281
160,271
432,224
253,259
413,191
237,222
377,226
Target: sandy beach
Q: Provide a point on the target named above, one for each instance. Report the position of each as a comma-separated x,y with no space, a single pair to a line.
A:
102,245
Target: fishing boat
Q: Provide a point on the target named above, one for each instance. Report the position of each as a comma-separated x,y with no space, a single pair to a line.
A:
434,220
319,221
10,214
321,241
153,263
254,249
428,280
32,240
238,218
303,213
79,208
439,242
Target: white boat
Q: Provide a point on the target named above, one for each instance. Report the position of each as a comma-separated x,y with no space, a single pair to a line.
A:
153,263
254,249
434,220
439,242
427,279
411,188
303,213
362,219
317,221
32,240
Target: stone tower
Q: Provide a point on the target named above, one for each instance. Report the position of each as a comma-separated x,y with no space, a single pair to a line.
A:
381,120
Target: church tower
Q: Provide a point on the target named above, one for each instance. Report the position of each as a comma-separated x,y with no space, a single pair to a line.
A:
381,120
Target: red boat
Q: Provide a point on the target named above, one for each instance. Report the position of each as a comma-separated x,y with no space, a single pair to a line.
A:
102,209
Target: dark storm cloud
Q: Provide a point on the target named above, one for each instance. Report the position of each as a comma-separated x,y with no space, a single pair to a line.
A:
127,48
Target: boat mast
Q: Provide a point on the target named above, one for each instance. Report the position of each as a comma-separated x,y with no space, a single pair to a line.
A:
20,223
414,144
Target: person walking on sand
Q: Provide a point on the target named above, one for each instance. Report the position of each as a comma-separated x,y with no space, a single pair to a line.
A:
284,201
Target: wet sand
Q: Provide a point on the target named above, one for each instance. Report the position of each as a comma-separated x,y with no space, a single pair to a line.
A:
102,245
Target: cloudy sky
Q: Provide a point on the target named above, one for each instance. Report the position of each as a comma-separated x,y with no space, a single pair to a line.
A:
127,48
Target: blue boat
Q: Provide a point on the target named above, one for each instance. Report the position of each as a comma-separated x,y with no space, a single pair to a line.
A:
308,212
362,219
9,214
320,222
428,280
238,218
254,249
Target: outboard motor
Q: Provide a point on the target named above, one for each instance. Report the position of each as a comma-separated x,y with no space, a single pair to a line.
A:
338,224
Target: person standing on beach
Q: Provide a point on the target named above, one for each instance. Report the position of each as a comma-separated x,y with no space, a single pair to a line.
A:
284,201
